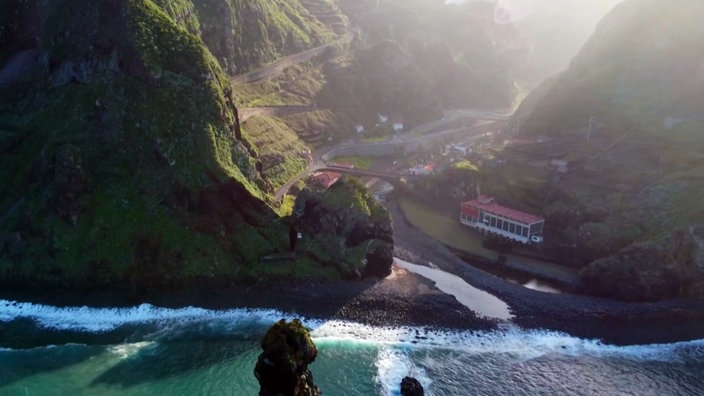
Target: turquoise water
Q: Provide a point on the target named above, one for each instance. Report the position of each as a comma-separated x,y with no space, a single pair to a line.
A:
148,350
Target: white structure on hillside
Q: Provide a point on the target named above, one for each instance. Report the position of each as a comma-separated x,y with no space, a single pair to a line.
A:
485,215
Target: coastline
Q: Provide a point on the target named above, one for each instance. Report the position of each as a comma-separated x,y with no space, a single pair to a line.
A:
406,299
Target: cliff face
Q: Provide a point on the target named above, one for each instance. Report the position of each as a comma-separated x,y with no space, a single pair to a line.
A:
414,59
626,117
642,64
282,367
344,227
122,159
278,27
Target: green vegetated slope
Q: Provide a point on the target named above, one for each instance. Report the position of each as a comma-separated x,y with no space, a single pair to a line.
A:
281,153
122,160
246,34
346,229
637,176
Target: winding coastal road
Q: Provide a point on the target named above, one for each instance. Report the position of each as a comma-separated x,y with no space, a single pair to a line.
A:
413,136
275,111
291,60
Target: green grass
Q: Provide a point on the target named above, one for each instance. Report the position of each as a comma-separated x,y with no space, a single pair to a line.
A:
443,228
359,162
279,148
373,139
465,165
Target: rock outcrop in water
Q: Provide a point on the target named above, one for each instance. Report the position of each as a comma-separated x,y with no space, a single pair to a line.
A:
411,387
282,368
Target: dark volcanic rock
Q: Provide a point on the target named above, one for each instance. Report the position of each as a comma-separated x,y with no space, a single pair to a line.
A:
650,271
282,368
411,387
348,228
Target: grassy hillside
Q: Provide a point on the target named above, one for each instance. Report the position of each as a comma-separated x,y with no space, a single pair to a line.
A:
246,34
635,168
122,158
640,66
416,58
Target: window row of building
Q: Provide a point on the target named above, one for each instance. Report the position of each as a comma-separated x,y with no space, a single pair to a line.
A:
485,215
500,224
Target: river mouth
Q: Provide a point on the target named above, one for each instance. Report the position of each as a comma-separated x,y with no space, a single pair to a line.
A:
525,278
484,304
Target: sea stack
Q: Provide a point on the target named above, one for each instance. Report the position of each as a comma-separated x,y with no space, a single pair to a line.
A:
411,387
282,367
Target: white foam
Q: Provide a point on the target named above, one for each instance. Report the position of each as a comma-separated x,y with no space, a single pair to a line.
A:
394,364
508,340
511,340
97,320
124,351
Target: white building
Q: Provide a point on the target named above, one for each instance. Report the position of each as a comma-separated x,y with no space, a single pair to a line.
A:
485,215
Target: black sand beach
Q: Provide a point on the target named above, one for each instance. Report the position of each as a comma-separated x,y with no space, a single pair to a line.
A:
404,298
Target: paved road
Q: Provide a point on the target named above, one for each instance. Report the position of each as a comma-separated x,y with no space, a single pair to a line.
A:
276,111
478,130
291,60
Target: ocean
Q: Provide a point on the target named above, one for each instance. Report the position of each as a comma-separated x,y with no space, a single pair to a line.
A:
148,350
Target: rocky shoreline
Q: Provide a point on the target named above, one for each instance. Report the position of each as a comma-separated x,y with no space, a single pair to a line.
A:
407,299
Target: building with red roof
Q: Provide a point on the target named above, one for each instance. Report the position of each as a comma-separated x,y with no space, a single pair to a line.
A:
325,179
487,216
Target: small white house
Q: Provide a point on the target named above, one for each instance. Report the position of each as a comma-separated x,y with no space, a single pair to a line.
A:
398,126
561,165
459,148
421,170
359,128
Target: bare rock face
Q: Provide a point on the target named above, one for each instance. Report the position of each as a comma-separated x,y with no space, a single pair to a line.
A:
282,368
351,230
411,387
649,271
687,246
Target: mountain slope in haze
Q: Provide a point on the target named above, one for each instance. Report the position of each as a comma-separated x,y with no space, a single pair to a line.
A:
413,59
122,161
627,118
243,35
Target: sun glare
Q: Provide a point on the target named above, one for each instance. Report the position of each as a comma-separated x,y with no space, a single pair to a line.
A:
510,11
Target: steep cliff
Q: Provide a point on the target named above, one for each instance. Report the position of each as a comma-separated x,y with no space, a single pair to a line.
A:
345,228
243,35
414,59
642,64
123,164
282,367
626,118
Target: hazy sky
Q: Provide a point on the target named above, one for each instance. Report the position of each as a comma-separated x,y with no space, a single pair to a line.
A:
508,11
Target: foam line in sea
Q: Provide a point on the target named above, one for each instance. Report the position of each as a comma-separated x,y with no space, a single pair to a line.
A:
509,339
89,319
392,365
526,344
